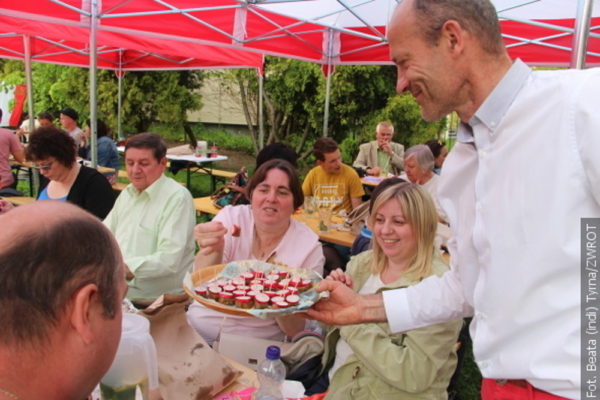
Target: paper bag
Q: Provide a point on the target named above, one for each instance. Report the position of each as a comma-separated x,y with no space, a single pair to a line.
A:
187,367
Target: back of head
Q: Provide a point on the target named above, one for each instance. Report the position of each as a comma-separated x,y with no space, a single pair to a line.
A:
276,150
478,17
53,142
422,155
324,146
41,268
435,146
419,212
148,140
294,182
101,128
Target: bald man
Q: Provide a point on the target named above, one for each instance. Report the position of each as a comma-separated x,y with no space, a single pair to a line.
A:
60,307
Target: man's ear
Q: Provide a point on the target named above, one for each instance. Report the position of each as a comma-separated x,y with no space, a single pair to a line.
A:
85,309
319,162
163,161
453,37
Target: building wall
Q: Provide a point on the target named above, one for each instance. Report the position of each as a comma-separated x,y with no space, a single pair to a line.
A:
220,107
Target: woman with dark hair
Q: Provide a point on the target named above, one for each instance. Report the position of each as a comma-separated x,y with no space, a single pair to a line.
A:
368,360
108,156
52,152
263,230
439,151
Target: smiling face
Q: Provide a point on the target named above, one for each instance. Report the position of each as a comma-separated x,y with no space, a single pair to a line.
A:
332,163
427,72
272,200
414,173
142,168
393,233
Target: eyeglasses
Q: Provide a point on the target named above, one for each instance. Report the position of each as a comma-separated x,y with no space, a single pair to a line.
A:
45,167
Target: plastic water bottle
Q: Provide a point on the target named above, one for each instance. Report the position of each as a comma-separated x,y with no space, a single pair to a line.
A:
271,374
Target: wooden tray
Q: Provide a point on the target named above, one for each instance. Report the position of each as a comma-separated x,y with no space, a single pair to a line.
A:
204,275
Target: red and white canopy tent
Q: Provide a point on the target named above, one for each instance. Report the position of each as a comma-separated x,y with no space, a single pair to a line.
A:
330,32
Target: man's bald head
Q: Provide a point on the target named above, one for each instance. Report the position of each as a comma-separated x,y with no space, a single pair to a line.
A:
48,250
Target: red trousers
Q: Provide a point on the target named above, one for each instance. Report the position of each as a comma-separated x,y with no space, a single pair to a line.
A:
492,390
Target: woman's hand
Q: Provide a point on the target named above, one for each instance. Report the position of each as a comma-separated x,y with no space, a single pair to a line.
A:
340,276
210,237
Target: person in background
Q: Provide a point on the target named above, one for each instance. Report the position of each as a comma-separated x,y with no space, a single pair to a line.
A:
52,152
23,131
45,120
335,185
419,162
368,360
439,151
517,224
277,150
68,120
266,232
60,302
108,156
9,145
153,220
381,156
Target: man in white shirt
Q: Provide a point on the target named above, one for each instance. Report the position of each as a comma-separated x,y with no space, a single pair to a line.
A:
516,223
68,120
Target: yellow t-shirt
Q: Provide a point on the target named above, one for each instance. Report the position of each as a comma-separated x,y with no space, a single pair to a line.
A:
333,190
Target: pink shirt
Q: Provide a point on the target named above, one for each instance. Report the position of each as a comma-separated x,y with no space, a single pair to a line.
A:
9,144
299,248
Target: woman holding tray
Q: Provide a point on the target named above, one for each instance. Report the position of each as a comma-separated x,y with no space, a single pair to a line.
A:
367,360
265,231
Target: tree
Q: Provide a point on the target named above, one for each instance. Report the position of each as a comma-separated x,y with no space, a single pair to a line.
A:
148,96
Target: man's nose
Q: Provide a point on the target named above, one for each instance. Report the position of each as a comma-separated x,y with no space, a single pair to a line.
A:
401,83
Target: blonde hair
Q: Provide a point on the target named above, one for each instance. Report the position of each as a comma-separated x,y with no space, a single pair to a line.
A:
419,212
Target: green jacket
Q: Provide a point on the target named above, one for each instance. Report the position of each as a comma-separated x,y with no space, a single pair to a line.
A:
417,364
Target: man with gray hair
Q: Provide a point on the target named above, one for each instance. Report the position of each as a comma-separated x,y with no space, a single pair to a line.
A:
418,165
60,301
517,224
381,156
153,220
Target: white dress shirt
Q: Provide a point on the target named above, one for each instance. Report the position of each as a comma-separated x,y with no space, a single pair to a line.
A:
525,171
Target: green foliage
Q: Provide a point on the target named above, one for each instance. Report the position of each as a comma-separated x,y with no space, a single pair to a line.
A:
148,96
226,140
349,149
409,127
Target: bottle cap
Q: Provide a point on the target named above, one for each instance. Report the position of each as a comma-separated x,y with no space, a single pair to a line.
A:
273,352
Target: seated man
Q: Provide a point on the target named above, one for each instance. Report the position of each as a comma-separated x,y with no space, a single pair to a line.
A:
381,156
153,220
334,184
60,301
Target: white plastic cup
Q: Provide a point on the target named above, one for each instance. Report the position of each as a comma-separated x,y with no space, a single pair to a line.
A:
201,148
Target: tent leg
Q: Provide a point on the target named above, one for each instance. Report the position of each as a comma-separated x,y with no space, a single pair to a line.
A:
582,28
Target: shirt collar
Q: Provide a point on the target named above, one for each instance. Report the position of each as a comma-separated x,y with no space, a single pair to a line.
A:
150,190
495,106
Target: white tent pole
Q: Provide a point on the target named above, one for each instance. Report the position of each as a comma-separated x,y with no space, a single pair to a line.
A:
120,96
582,27
327,94
29,81
93,72
261,122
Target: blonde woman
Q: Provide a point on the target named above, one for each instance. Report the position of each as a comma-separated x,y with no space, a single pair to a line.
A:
367,361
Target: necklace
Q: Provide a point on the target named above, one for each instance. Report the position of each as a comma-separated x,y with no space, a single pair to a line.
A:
9,394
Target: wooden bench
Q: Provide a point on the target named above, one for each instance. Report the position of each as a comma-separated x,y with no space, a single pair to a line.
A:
19,200
216,174
204,205
119,186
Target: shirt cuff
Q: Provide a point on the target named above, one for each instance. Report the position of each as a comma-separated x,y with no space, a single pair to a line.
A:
397,310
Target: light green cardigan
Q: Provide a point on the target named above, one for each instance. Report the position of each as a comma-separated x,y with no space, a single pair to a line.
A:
417,364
